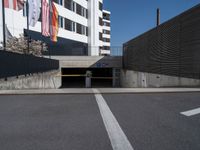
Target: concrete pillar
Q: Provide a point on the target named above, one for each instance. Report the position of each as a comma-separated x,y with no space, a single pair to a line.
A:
116,77
88,83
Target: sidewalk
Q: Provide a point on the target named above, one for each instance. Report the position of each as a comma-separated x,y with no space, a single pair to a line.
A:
102,90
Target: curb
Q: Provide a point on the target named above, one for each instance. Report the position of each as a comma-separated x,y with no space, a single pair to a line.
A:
90,91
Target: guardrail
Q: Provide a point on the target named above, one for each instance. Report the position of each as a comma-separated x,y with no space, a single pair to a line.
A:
116,51
13,64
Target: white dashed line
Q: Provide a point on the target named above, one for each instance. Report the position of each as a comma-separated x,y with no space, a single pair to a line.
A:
191,112
118,139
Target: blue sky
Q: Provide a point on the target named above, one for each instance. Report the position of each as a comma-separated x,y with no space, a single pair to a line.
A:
131,18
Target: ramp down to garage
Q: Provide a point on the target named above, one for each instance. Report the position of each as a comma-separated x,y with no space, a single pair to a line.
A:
105,70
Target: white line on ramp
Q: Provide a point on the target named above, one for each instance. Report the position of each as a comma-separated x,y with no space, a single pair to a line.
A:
118,139
191,112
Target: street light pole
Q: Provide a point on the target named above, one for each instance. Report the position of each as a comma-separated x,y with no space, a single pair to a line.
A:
27,14
4,29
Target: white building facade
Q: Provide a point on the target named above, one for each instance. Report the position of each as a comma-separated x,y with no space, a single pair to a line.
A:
81,28
106,50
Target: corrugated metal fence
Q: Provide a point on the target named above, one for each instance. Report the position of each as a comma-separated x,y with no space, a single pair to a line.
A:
173,48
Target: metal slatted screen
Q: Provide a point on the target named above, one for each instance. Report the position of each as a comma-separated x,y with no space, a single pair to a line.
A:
173,48
13,64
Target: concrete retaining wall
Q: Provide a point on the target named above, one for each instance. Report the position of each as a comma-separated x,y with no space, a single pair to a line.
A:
89,61
47,80
134,79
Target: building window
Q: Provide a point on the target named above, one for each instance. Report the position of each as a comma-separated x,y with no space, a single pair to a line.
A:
106,40
100,36
106,16
86,13
106,24
60,2
100,6
100,21
73,6
78,9
106,47
73,26
68,24
40,17
60,19
83,30
100,47
68,4
81,11
78,28
86,31
106,32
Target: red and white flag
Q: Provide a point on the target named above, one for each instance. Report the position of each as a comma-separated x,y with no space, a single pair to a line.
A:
53,22
14,4
45,18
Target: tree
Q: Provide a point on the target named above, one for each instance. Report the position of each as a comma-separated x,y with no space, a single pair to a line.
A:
19,45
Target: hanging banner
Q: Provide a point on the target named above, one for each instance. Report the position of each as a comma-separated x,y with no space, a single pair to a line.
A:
34,11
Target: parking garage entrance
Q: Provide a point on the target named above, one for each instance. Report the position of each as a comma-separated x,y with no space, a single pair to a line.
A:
76,77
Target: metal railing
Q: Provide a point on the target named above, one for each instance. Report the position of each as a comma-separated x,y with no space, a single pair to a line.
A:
116,51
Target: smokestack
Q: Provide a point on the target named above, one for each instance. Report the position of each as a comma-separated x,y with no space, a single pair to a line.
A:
158,17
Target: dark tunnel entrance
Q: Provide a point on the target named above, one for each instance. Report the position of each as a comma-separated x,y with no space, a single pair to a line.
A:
75,77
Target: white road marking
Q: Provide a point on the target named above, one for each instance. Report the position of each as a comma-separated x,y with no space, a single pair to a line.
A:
191,112
118,139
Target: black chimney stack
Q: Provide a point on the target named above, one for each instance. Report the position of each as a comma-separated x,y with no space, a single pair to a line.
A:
158,17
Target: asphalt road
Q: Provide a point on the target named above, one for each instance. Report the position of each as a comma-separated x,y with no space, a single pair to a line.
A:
75,122
56,122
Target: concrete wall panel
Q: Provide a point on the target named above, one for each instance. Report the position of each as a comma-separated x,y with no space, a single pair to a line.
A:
133,79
